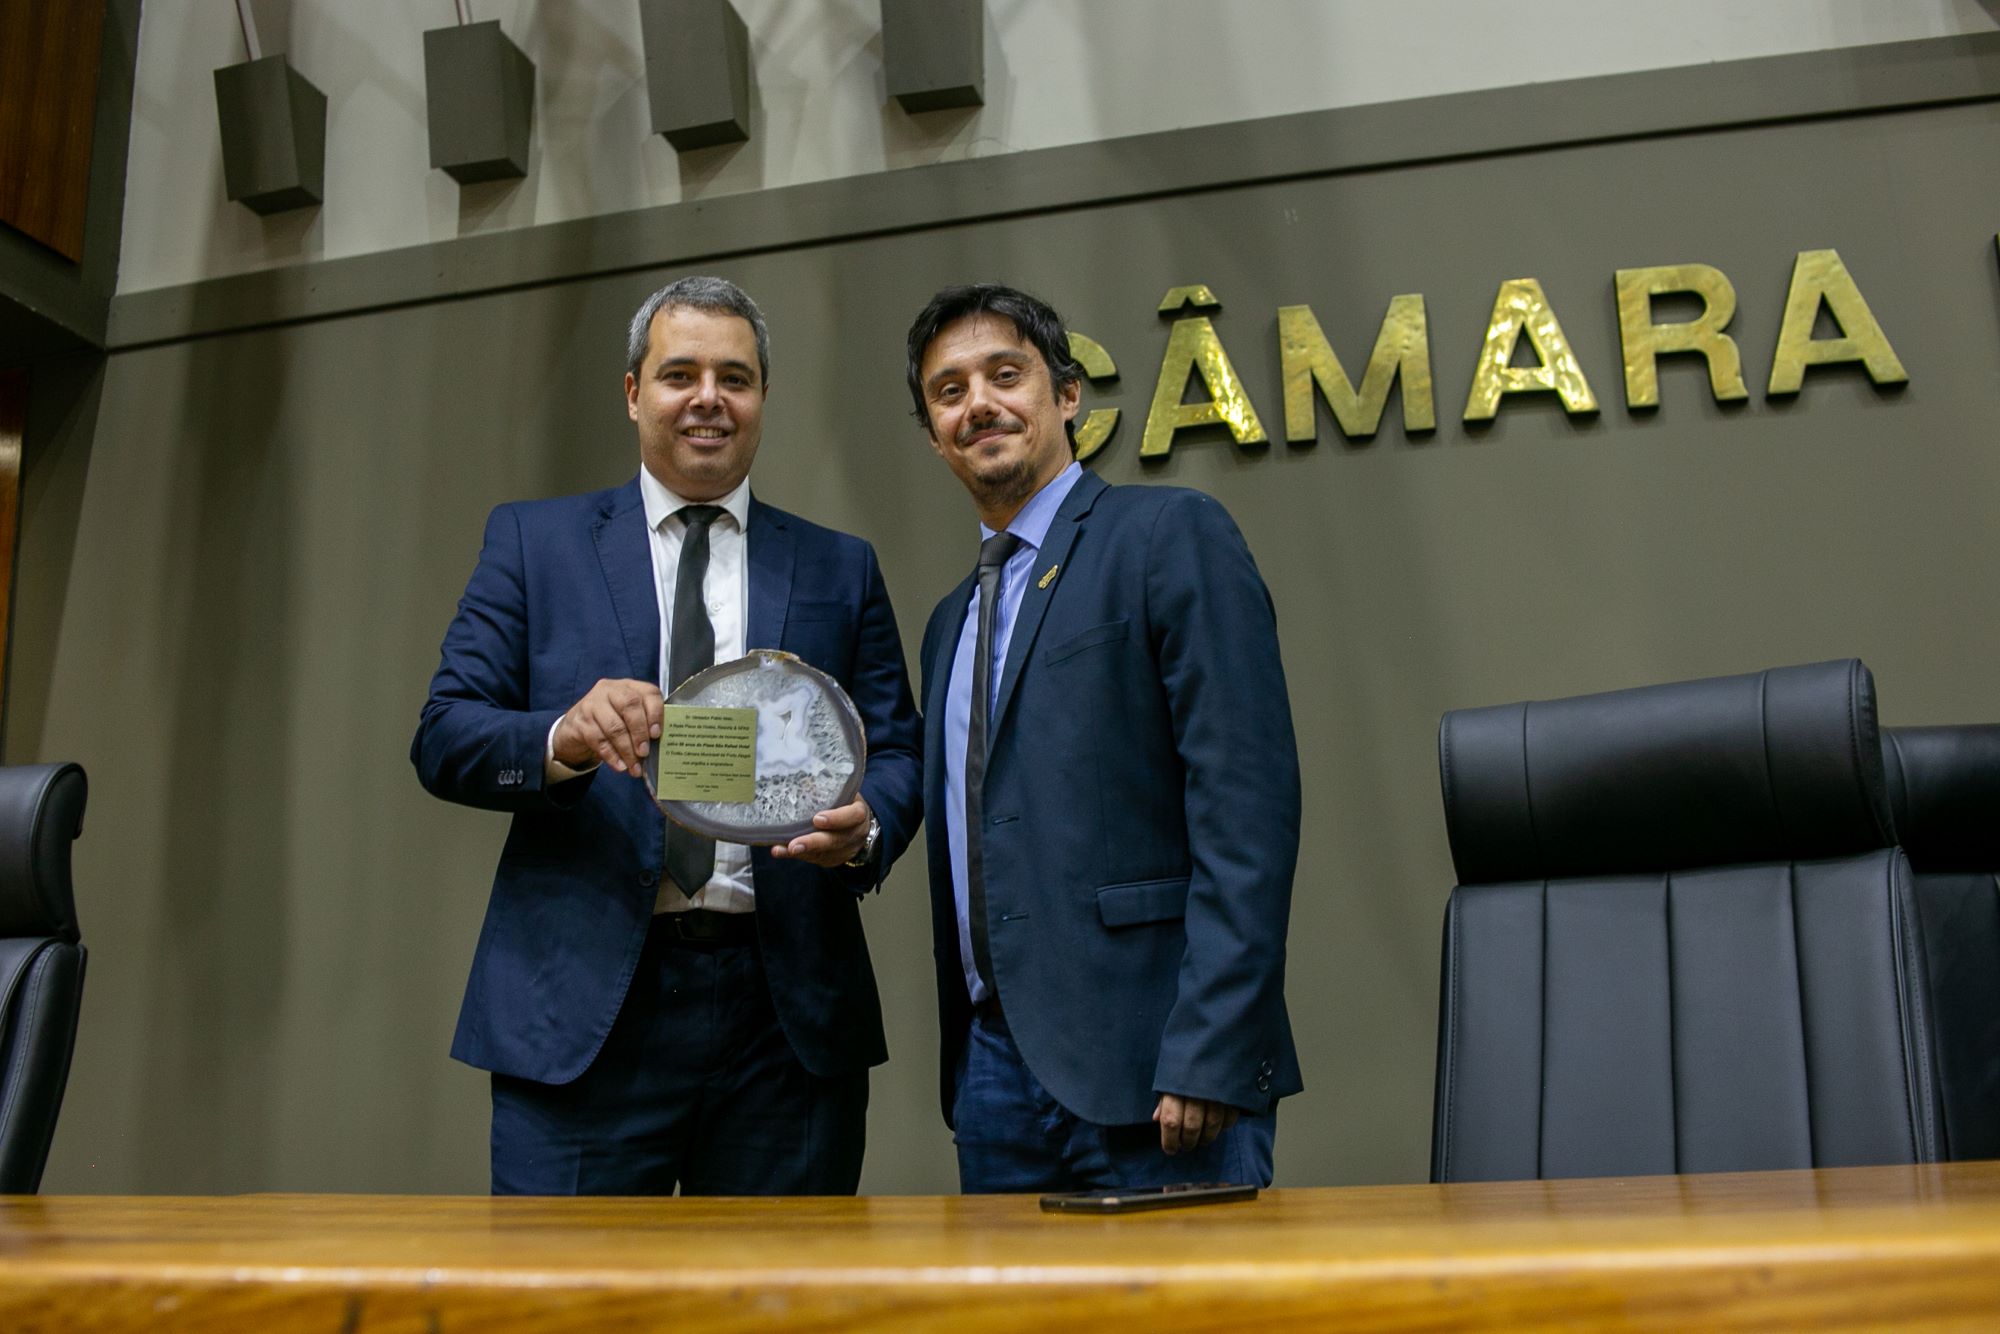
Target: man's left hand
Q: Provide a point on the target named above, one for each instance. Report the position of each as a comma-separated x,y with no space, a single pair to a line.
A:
836,838
1191,1123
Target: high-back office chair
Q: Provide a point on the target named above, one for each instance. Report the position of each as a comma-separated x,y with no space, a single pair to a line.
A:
1944,787
41,961
1682,940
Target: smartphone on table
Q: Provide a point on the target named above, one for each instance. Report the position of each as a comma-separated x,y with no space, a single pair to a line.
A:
1130,1199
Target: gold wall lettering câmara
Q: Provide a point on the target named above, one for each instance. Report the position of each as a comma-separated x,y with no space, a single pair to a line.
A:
1521,309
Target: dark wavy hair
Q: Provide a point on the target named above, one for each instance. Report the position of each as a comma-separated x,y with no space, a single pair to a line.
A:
1035,320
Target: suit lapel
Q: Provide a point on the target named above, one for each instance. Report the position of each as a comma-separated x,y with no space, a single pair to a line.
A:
624,549
772,554
1041,590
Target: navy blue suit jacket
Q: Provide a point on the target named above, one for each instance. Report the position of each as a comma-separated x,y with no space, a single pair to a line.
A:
562,597
1142,813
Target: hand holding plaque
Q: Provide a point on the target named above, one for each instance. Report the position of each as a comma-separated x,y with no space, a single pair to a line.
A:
751,750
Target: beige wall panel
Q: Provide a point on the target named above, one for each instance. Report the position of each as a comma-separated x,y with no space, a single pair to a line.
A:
1058,72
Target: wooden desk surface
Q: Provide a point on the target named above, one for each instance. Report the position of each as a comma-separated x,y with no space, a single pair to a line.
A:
1847,1248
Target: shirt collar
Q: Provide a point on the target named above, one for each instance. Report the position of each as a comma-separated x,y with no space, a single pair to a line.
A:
661,503
1031,525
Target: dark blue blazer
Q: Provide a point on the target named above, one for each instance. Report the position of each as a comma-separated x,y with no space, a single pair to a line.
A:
1142,813
561,598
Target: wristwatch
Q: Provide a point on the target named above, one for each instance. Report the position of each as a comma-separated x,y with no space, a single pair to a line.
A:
867,853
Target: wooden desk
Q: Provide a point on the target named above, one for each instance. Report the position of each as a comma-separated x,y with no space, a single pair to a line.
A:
1790,1250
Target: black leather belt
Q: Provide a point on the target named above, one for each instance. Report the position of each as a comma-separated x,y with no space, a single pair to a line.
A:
700,926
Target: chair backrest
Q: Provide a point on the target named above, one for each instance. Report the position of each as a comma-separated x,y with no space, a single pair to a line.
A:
1944,787
1682,940
41,961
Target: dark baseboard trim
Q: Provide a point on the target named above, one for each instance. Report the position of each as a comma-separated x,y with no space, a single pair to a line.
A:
1697,98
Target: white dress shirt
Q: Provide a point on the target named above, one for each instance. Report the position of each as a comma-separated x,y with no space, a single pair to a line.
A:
727,587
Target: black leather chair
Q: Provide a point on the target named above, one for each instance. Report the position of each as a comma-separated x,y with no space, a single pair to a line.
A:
1944,787
41,962
1683,939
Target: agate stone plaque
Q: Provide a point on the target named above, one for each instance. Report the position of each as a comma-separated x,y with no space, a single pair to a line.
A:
808,753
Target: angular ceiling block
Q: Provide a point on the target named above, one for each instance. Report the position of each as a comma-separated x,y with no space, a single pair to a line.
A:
934,53
480,92
273,135
697,71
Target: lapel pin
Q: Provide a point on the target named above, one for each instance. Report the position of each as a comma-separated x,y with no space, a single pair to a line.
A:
1048,578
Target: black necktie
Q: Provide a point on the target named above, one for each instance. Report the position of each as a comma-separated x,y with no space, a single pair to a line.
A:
993,554
690,857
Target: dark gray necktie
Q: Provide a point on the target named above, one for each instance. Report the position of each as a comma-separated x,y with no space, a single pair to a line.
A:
993,554
690,857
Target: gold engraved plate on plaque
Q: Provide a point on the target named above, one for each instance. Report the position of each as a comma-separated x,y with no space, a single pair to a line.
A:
706,754
1402,350
1642,341
1095,429
1521,307
1819,275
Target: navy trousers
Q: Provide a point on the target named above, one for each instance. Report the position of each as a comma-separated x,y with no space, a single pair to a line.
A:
696,1088
1013,1137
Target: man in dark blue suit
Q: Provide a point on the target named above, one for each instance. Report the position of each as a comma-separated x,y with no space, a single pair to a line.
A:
658,1010
1112,792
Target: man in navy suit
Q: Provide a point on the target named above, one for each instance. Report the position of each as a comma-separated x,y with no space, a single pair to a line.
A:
657,1010
1112,843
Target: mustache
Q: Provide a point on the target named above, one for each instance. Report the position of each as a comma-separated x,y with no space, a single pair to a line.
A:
967,431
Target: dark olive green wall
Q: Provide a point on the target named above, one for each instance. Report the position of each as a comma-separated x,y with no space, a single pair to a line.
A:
237,568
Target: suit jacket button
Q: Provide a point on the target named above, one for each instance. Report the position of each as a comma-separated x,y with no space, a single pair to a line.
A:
1265,1068
1263,1083
649,878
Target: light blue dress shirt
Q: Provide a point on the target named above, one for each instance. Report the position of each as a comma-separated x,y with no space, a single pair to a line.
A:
1031,526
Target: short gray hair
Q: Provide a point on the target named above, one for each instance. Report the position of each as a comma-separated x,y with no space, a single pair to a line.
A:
697,293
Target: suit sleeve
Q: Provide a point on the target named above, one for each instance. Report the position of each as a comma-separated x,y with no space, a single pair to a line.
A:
1216,644
880,688
477,740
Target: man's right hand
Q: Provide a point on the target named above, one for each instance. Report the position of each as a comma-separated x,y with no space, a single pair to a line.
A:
614,723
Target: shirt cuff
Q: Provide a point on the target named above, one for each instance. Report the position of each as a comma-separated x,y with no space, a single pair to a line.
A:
554,770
